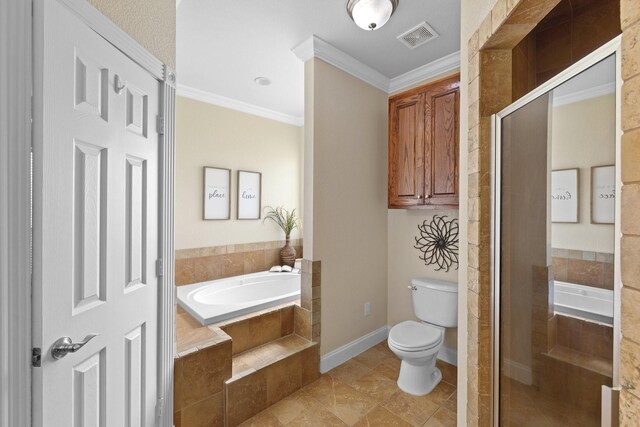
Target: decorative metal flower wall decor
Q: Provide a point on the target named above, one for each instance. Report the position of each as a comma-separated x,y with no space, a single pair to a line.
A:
438,242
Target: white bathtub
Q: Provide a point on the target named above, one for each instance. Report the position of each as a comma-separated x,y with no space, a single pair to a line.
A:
218,300
585,302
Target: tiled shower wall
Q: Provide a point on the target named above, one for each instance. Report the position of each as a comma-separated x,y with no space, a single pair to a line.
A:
217,262
583,268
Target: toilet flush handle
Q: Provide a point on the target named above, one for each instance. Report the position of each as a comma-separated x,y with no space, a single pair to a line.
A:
412,287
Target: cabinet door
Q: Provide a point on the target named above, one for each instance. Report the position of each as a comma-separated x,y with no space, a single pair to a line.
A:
442,134
406,151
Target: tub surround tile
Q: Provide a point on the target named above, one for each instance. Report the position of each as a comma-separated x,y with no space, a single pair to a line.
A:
246,397
265,328
255,261
196,265
184,271
206,413
306,296
240,335
584,268
283,378
204,372
199,375
302,322
190,333
286,321
206,267
270,353
177,384
310,359
233,264
259,328
285,365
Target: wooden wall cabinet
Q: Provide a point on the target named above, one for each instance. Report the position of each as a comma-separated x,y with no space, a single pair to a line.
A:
424,147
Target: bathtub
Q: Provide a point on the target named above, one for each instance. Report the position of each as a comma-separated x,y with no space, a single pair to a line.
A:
219,300
584,302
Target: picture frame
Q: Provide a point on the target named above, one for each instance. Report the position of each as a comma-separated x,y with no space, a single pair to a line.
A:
249,197
217,193
565,196
603,194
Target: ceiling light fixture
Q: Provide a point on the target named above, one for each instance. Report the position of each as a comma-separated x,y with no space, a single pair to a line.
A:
262,81
371,14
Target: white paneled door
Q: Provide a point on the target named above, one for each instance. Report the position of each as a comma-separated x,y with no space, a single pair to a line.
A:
95,232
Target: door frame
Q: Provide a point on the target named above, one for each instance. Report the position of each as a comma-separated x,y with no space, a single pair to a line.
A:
610,48
21,53
15,206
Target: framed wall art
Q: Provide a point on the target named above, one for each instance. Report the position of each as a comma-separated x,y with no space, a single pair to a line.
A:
249,195
603,194
217,193
564,195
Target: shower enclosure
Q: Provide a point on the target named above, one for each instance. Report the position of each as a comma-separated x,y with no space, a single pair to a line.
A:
555,238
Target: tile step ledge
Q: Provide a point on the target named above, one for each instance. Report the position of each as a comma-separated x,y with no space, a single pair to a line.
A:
590,362
257,358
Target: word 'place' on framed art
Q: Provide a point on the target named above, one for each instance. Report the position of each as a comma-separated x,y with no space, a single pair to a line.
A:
217,192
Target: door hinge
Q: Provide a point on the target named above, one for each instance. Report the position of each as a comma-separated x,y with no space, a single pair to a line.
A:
160,125
36,357
159,408
159,267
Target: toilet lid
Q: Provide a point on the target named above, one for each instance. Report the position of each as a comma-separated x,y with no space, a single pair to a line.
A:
411,335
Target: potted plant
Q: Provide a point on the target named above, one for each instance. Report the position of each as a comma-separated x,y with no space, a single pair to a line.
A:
287,221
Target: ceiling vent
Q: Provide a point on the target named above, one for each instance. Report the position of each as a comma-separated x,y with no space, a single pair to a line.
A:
418,35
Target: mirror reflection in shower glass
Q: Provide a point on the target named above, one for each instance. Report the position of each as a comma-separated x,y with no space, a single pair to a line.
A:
557,252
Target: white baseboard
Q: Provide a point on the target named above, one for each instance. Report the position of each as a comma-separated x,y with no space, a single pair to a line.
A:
348,351
518,371
449,355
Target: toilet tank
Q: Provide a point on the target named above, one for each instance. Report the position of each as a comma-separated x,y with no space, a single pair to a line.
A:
435,301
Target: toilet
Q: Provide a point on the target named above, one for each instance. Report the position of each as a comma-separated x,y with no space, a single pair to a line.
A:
435,303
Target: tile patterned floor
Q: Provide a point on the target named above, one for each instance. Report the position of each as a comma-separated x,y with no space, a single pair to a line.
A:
363,392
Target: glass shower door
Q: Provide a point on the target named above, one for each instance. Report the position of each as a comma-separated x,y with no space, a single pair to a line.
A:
556,213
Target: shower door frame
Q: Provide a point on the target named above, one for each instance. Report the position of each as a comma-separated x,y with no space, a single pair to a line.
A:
610,48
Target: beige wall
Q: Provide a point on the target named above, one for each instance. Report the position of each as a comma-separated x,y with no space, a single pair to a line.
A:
152,23
472,12
209,135
349,210
404,264
583,135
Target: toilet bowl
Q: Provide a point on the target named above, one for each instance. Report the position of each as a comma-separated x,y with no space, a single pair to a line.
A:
417,343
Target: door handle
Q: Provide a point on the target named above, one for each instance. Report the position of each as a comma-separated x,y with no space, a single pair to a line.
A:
64,346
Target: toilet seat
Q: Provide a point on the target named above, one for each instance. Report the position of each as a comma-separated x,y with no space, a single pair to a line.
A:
415,336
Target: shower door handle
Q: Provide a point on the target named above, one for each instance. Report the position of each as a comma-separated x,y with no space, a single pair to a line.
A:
64,346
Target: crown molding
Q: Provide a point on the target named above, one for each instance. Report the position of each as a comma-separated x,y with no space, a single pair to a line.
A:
222,101
315,47
584,94
433,69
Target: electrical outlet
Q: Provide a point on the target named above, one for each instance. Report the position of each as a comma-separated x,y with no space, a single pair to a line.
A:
367,309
